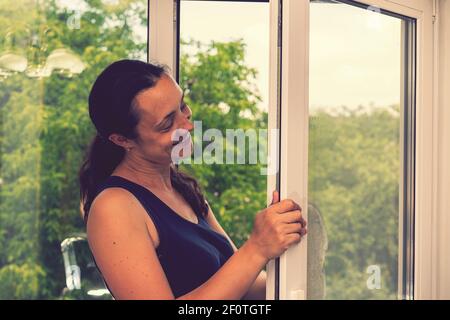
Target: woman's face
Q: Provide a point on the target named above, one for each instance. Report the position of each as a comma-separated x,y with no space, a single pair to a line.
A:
163,116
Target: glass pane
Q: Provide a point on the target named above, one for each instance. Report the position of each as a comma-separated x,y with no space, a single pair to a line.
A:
51,51
224,67
354,152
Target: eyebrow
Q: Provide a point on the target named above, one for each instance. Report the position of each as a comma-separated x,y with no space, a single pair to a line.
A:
169,115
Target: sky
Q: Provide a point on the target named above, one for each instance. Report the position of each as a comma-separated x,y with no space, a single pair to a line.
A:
355,57
354,53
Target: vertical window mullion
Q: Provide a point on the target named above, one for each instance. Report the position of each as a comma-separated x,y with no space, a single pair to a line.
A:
287,276
273,180
279,54
407,185
162,26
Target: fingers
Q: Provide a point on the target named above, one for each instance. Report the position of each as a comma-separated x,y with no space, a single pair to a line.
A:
292,212
294,232
285,206
293,238
303,232
303,222
291,216
275,197
293,228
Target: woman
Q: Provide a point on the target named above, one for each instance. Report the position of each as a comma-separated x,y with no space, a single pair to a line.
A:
151,232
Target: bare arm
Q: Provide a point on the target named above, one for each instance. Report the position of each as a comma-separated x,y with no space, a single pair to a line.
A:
258,289
127,259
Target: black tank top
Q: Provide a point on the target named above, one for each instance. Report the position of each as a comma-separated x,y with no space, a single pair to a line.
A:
189,253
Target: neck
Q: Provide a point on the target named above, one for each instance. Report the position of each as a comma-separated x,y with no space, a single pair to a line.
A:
148,174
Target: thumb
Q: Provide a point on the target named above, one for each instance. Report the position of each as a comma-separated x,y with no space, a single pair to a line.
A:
275,197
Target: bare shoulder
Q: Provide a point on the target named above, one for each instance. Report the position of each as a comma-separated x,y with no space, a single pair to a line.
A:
123,248
111,197
114,205
117,206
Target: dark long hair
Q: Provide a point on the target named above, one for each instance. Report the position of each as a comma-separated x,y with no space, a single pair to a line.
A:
112,109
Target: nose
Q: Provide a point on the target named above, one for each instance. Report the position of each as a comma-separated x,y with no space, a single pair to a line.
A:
188,125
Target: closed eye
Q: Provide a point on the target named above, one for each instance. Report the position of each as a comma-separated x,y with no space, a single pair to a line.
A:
169,125
167,128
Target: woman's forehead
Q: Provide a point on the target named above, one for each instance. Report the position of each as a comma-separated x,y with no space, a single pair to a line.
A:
159,100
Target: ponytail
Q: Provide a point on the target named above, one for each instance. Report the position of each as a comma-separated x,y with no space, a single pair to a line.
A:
102,158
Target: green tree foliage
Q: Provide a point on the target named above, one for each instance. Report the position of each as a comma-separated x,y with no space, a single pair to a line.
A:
354,183
46,129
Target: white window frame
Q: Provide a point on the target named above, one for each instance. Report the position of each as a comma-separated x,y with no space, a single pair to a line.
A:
163,37
432,204
441,249
293,174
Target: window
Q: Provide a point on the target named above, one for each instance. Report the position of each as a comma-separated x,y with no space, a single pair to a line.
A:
357,138
48,62
349,109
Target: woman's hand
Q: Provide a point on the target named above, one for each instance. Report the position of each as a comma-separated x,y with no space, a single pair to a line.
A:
277,227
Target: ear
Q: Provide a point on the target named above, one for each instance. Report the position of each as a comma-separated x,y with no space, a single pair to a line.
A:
121,141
